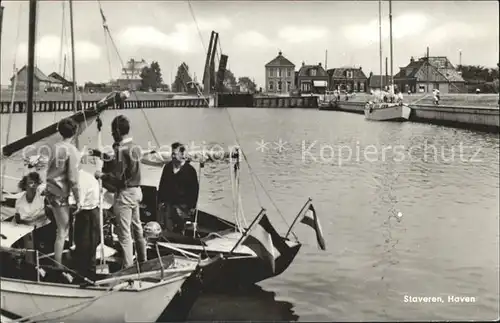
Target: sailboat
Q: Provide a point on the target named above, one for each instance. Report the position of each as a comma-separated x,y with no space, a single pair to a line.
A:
251,253
378,110
240,245
39,290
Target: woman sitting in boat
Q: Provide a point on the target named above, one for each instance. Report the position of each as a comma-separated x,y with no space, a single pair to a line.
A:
30,207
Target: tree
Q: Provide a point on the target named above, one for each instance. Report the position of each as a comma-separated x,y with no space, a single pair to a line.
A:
151,77
182,79
477,73
248,83
229,81
485,79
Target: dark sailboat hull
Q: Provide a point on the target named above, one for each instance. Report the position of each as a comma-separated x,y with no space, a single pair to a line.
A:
238,268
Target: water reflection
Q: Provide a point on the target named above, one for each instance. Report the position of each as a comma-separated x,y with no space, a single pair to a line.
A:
249,304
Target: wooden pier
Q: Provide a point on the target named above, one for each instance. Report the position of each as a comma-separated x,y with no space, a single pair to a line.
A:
221,101
67,106
242,100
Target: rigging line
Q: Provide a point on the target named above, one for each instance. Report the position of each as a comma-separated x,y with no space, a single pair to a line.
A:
11,109
19,13
244,156
105,26
13,96
197,27
254,174
63,25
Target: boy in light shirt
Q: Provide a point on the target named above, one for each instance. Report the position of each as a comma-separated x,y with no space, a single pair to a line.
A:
87,226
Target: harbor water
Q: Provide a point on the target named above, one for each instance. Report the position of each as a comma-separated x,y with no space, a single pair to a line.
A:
378,266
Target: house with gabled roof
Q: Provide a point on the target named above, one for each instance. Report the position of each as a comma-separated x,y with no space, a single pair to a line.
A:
429,73
61,79
280,75
41,81
350,79
312,79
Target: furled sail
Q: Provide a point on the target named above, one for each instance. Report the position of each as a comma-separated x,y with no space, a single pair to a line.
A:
159,158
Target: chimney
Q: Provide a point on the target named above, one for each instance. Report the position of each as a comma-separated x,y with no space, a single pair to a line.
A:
319,64
360,68
303,63
280,53
412,59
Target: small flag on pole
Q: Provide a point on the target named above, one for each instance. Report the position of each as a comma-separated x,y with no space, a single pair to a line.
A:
311,219
308,217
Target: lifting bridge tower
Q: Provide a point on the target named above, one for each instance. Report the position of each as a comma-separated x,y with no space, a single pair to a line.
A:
213,82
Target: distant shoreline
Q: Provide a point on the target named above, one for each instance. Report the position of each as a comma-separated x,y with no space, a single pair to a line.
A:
454,99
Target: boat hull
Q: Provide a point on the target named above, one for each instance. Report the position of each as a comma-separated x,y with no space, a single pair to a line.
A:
234,270
69,303
387,112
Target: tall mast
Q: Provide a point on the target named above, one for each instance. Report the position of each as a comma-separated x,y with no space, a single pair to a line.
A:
1,24
73,61
64,67
31,65
61,50
380,41
390,35
326,59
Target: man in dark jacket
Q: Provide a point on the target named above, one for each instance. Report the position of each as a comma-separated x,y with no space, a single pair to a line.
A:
178,191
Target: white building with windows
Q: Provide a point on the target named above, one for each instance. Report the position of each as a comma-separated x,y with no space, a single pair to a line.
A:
280,75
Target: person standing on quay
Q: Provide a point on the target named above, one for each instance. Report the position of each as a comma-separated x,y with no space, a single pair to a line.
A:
125,177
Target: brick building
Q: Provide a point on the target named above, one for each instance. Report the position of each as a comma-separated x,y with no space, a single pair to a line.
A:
347,79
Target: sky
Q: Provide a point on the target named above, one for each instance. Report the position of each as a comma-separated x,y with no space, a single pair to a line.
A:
251,33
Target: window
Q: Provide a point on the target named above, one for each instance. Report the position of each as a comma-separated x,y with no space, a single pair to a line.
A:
288,72
278,70
349,74
312,72
305,87
288,86
271,85
279,85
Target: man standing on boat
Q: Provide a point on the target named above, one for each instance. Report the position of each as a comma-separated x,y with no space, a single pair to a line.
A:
178,191
124,175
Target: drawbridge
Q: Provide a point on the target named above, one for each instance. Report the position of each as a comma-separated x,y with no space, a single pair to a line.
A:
213,82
